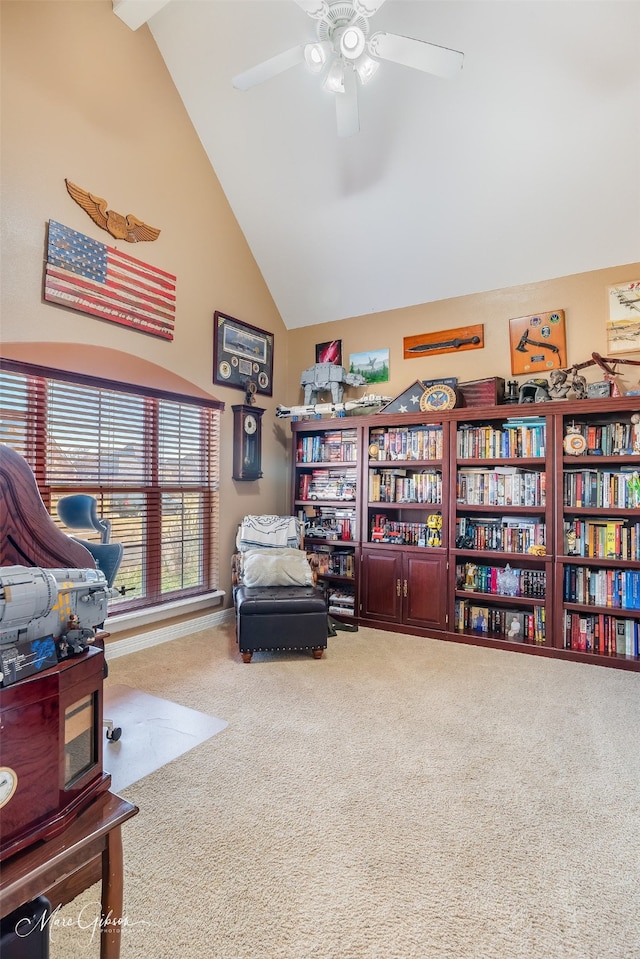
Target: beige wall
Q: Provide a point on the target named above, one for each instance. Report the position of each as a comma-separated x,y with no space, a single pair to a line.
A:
583,297
83,97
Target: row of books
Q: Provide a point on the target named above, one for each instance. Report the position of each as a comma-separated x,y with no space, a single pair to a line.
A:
339,446
502,486
328,484
490,579
513,625
332,523
504,534
335,562
512,439
600,539
610,439
342,602
616,588
407,443
601,633
395,486
602,488
385,530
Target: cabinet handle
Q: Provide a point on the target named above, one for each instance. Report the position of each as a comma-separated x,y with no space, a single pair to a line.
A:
404,591
397,587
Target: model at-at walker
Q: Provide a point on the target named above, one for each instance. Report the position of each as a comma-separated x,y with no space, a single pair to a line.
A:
328,376
324,377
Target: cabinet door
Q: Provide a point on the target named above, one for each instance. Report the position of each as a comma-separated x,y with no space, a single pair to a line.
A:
424,588
382,585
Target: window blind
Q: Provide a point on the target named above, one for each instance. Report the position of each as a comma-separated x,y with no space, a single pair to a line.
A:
151,461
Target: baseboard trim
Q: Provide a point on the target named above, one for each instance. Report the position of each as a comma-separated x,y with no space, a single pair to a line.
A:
165,634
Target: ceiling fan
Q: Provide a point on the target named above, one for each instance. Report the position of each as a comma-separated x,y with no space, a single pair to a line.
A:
345,53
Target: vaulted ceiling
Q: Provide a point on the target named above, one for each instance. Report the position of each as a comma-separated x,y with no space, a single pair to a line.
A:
522,167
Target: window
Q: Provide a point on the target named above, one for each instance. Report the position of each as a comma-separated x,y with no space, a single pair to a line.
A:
151,460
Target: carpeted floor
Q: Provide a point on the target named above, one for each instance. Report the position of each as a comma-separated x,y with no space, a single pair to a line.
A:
154,731
401,798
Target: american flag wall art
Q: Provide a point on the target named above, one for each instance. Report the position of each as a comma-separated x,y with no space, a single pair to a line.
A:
97,279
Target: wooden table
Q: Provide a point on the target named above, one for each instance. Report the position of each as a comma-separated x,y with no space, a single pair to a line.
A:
88,851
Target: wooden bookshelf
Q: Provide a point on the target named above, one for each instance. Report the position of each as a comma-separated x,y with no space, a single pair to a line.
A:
462,523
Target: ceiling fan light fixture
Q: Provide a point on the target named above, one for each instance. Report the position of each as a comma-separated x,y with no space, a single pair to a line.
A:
352,43
366,68
334,80
316,56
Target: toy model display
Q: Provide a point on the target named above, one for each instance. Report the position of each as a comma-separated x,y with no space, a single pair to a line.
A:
324,377
434,526
559,384
534,391
47,615
332,409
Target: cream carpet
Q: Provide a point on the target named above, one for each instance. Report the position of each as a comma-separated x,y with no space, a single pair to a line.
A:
401,798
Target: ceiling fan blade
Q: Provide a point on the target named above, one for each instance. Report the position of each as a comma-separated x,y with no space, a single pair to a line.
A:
367,8
269,68
347,114
441,61
315,8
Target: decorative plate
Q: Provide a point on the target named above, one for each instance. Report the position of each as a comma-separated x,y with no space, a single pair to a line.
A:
438,397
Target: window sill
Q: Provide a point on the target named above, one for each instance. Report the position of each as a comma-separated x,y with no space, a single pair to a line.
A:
135,619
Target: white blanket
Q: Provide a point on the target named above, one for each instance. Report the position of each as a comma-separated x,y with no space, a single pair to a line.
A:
268,531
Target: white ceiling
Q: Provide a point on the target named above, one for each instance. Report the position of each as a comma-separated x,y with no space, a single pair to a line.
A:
523,167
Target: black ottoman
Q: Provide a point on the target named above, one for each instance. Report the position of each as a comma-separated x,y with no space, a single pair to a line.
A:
280,617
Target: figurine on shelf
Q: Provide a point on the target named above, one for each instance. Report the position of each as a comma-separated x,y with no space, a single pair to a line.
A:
470,576
559,386
578,384
434,527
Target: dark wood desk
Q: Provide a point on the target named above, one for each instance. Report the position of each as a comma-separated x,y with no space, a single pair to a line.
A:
88,851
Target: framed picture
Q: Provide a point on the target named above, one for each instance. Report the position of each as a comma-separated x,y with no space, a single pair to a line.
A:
372,364
623,326
329,352
241,353
538,343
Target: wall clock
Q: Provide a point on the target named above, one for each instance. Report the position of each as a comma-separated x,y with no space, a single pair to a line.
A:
247,442
438,397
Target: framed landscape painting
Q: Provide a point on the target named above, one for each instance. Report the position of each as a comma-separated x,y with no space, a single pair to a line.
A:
372,364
